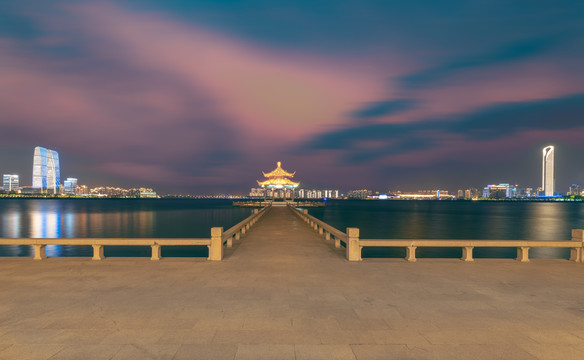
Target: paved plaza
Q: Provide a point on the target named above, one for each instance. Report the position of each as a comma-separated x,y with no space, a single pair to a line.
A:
283,292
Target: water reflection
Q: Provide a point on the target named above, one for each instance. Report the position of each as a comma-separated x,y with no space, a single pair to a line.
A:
110,219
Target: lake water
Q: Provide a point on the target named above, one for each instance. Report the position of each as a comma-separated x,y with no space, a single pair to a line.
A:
173,218
471,220
114,218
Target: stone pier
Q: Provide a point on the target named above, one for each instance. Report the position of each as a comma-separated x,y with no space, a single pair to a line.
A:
285,292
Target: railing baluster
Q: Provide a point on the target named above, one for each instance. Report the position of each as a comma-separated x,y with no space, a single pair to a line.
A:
97,252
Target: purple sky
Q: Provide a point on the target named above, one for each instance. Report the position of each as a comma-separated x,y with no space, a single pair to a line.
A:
201,96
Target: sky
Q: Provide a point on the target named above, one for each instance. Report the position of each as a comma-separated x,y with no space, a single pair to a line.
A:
201,96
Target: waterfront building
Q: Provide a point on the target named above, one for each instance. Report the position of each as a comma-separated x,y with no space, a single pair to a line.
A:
46,173
278,181
359,194
82,190
148,194
256,192
494,191
460,194
547,181
10,182
575,190
70,186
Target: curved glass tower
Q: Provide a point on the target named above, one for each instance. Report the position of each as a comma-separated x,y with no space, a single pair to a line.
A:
547,177
46,173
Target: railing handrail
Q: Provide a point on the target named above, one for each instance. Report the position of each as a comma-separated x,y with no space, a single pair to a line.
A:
105,241
331,229
237,227
475,243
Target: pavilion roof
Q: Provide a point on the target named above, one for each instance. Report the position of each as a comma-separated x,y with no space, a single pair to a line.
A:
278,172
279,181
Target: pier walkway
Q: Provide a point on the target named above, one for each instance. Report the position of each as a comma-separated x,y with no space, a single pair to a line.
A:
283,292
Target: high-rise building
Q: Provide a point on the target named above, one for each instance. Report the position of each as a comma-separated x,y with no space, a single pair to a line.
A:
10,182
46,173
575,189
547,177
70,186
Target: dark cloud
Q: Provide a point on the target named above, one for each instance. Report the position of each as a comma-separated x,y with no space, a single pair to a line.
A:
436,76
384,108
490,123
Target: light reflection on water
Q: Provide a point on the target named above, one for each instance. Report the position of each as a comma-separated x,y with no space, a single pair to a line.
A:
110,218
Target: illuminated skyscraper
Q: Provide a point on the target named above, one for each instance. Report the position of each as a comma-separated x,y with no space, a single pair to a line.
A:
46,173
10,182
547,177
70,186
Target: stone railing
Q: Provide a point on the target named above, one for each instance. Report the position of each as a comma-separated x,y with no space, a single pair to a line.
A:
324,229
215,243
98,244
354,245
243,226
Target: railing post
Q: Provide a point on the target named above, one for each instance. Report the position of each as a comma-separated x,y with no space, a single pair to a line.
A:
320,230
577,253
467,253
523,254
337,242
237,235
353,247
39,252
411,253
216,247
155,252
327,235
230,241
97,252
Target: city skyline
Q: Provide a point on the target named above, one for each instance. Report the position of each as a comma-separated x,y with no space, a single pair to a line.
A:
351,94
46,176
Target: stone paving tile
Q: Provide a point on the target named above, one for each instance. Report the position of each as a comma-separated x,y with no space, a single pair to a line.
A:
362,324
384,352
324,352
466,352
97,352
139,352
30,351
475,336
182,336
410,337
86,337
257,337
206,352
133,336
346,337
266,323
31,336
554,337
265,352
554,351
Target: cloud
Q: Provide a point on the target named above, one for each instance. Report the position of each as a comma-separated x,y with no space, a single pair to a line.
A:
516,51
490,123
384,108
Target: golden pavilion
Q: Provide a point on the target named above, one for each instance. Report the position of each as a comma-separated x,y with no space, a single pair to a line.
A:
278,181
